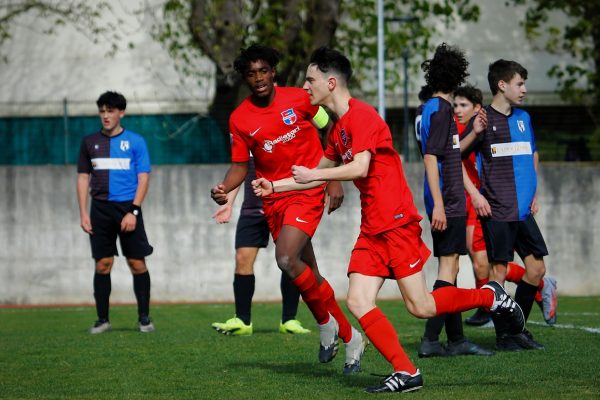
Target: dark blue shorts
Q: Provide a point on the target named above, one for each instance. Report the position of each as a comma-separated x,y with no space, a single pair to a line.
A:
106,217
252,231
503,238
453,240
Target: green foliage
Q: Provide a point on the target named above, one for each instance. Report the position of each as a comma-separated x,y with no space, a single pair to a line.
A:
47,354
578,36
357,36
290,27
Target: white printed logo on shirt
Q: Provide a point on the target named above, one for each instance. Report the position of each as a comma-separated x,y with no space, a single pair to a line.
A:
511,149
455,142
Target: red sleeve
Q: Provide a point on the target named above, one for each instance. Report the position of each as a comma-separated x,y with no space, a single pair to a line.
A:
330,152
364,131
239,148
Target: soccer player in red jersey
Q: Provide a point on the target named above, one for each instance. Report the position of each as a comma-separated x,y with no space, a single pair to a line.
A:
275,124
468,101
389,244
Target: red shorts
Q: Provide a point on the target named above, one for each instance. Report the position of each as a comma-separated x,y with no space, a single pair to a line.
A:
473,220
302,209
471,214
393,254
478,240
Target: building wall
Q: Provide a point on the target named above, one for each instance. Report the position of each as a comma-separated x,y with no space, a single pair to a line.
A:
45,257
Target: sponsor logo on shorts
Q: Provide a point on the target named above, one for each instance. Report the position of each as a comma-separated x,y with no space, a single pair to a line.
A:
301,220
414,264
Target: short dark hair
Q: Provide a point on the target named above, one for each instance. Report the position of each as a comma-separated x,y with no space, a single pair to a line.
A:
504,70
470,93
112,100
425,93
254,53
330,60
447,69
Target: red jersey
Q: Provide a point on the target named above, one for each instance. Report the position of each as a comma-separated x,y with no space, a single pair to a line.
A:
279,136
386,199
469,162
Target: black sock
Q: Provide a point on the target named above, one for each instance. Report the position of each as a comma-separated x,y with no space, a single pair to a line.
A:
434,325
454,326
243,290
102,287
525,296
141,288
290,298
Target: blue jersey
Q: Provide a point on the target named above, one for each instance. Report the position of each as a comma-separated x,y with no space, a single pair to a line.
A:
439,137
114,163
505,161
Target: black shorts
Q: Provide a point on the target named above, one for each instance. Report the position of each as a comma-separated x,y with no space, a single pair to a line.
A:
106,217
252,231
503,238
453,240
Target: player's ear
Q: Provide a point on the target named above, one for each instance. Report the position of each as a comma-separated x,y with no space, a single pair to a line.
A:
331,83
477,107
501,85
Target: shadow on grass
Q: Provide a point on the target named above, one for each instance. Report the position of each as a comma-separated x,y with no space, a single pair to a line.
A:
312,371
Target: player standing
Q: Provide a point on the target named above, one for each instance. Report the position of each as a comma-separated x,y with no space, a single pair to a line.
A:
468,101
444,193
114,163
508,161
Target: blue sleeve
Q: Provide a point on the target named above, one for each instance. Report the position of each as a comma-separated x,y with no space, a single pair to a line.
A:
142,157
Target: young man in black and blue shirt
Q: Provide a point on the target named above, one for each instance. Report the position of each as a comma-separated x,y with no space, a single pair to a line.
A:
444,193
114,167
507,162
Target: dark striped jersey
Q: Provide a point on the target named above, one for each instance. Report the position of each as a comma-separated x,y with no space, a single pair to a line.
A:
114,163
505,163
418,117
439,137
252,204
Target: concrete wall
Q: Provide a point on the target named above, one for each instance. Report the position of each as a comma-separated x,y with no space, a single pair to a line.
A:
45,257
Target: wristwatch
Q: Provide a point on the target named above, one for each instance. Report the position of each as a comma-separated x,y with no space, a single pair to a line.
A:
135,210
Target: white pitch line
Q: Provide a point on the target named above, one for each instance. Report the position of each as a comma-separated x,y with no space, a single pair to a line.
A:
568,326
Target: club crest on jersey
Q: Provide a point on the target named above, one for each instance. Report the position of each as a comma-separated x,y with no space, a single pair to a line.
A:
124,145
344,137
289,116
521,125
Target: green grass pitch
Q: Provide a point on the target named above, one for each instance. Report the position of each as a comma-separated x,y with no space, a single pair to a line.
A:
46,353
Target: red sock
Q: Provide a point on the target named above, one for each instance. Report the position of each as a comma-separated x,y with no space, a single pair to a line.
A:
514,272
480,282
309,290
334,309
450,299
382,334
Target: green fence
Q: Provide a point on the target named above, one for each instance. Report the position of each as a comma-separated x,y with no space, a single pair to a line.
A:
171,139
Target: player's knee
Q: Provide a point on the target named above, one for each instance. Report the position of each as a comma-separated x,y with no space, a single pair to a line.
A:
420,309
356,305
136,266
104,265
284,262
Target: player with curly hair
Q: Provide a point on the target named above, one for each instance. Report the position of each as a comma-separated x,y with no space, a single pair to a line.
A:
277,126
444,193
